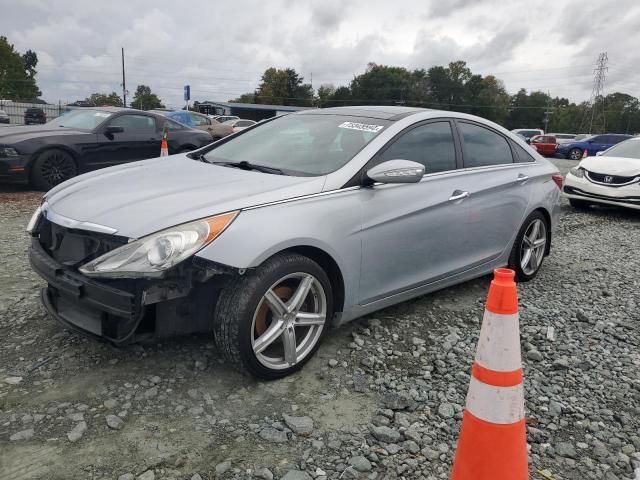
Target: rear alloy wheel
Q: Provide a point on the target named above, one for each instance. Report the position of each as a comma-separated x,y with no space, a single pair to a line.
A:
530,247
51,168
271,321
575,154
579,204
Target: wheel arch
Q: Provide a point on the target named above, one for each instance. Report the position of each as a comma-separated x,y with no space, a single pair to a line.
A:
328,264
46,148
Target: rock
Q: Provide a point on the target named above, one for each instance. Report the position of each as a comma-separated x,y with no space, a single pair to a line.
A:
223,467
555,409
114,422
22,435
196,476
13,380
126,476
445,410
148,475
296,475
534,355
396,401
430,454
77,432
150,393
333,363
263,473
111,403
565,449
299,425
386,434
360,463
76,417
273,435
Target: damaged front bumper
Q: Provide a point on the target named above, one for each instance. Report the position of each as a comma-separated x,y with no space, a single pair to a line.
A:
123,310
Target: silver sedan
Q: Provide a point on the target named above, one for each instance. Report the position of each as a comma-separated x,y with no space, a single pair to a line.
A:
268,237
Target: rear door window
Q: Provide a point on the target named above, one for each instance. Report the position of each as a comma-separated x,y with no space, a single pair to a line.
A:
431,144
483,147
135,124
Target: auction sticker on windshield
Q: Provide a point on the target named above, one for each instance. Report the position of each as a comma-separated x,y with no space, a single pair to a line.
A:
363,127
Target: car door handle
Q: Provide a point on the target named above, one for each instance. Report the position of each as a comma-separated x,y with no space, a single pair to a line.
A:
522,178
458,195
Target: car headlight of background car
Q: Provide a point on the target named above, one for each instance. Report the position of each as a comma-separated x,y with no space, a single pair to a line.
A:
151,255
6,151
577,172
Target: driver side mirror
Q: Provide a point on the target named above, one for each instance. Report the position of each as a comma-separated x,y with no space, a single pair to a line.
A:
397,171
111,129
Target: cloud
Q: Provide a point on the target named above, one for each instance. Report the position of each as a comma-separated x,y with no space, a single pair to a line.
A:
222,48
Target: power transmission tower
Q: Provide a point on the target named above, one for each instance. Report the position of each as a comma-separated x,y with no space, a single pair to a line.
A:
594,115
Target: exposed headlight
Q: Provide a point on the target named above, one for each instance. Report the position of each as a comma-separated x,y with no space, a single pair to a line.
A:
577,172
151,255
8,151
34,220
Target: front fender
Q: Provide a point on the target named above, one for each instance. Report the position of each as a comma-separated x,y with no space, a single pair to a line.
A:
329,222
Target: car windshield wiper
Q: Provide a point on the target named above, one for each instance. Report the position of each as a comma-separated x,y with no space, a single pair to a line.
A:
244,165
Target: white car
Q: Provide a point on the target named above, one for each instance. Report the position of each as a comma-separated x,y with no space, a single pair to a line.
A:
610,178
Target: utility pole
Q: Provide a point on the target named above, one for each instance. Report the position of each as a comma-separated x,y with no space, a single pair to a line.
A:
596,101
548,111
124,85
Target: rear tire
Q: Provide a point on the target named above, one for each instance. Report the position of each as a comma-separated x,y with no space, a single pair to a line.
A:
247,311
579,204
51,168
575,154
530,247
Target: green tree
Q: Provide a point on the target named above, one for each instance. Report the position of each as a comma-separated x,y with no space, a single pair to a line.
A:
283,87
103,99
144,99
382,85
245,98
17,73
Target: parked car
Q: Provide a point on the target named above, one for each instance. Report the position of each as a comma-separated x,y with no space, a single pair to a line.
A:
593,144
87,139
528,132
4,117
224,118
221,130
191,119
269,236
563,137
610,178
34,116
544,144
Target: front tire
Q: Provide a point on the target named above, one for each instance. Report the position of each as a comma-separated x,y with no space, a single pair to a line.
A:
51,168
530,247
575,154
271,320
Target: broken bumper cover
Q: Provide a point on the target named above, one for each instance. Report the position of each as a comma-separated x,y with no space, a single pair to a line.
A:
84,304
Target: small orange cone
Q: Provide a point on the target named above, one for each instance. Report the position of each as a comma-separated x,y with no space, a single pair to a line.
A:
493,443
164,148
585,154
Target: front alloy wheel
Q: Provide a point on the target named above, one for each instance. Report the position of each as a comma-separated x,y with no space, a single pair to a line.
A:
530,247
575,154
271,321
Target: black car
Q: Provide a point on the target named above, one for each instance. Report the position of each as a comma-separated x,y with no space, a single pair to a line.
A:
88,139
35,116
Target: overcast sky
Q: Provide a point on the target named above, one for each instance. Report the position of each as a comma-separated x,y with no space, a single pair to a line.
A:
221,48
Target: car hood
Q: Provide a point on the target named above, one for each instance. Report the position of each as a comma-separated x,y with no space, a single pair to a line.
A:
621,166
11,135
143,197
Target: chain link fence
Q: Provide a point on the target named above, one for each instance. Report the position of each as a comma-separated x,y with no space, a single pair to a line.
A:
16,110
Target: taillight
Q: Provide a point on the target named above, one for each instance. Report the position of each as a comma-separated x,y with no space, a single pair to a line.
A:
558,179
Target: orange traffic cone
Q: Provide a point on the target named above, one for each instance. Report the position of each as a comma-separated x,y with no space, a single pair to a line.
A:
492,443
164,148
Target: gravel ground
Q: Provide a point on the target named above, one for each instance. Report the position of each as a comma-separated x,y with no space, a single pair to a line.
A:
383,397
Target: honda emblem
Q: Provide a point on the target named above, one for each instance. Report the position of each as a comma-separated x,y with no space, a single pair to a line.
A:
608,179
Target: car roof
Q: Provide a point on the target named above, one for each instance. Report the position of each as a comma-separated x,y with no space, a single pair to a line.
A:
383,112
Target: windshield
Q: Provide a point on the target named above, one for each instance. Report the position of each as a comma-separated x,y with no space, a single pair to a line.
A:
83,119
628,149
301,144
